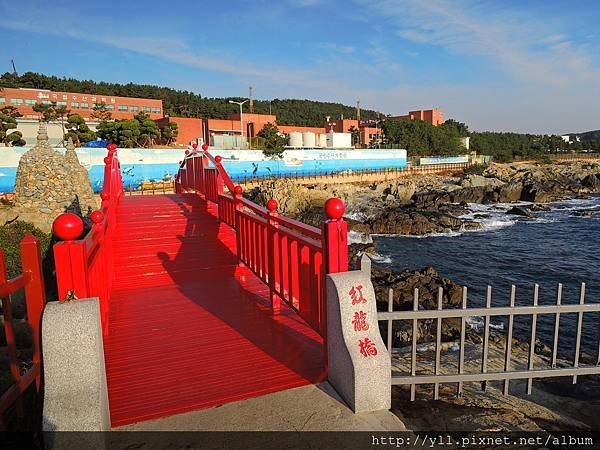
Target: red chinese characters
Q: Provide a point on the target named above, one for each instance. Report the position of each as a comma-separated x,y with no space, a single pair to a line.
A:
356,295
367,347
360,321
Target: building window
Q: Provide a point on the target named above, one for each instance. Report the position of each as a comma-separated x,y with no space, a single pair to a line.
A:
46,102
74,105
2,100
156,110
84,105
133,108
30,102
61,103
146,109
110,107
16,101
122,107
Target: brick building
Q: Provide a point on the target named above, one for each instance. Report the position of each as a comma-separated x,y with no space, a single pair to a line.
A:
24,99
434,116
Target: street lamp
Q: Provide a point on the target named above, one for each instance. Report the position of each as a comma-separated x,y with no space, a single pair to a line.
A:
241,115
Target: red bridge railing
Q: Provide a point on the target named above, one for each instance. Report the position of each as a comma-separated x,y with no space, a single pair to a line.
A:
84,266
32,282
290,257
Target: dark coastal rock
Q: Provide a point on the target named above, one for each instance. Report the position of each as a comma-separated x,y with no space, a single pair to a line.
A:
519,211
427,281
413,222
592,181
584,213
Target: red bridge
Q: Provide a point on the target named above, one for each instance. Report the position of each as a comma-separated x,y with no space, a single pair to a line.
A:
206,297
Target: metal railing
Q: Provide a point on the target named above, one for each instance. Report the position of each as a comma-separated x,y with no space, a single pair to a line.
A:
352,173
290,257
528,372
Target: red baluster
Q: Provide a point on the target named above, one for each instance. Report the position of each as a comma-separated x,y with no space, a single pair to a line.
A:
273,254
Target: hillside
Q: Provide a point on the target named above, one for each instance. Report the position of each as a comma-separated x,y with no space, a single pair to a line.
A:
189,104
588,135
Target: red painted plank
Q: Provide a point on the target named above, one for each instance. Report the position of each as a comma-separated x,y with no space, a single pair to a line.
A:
189,329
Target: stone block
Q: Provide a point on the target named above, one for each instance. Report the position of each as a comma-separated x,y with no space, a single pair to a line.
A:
75,392
359,364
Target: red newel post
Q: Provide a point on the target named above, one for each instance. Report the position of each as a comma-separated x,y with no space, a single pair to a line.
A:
237,194
335,237
35,295
219,178
335,254
273,253
70,256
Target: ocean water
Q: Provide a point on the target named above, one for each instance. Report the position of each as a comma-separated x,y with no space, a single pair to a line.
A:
554,247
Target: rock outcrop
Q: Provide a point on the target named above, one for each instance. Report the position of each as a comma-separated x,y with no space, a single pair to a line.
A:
49,183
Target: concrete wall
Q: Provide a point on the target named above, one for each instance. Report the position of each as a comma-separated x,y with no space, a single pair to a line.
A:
29,129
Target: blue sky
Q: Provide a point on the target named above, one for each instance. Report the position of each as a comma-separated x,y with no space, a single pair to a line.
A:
529,66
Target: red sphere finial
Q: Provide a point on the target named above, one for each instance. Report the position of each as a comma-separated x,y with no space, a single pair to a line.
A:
237,190
179,162
97,216
187,152
104,195
194,146
272,205
334,208
111,148
218,159
108,160
67,226
204,147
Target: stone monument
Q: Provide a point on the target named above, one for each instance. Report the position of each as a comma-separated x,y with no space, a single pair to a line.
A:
48,184
359,364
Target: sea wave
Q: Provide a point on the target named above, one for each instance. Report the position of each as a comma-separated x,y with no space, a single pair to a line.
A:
358,237
477,324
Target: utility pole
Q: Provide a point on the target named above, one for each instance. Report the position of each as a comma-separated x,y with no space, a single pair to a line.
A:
12,61
241,116
358,111
251,105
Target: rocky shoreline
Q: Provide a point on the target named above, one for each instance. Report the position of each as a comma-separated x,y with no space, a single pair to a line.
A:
427,204
437,204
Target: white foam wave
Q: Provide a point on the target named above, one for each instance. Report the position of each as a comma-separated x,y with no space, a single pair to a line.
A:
422,236
382,259
358,237
477,324
359,216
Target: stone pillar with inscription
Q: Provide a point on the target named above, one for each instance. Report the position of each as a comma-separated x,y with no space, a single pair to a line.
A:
359,364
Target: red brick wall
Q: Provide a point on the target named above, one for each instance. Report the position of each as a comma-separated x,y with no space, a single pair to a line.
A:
188,128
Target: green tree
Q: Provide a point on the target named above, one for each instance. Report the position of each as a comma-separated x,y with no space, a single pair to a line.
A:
355,135
274,141
100,112
169,133
149,131
78,130
53,112
8,121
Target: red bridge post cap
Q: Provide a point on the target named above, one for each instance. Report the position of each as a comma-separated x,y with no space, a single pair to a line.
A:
237,190
187,152
334,208
67,226
204,147
97,216
111,148
272,205
104,195
108,160
194,146
218,159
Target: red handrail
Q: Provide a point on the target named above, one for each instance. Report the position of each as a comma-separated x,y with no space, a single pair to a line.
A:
84,266
289,256
32,281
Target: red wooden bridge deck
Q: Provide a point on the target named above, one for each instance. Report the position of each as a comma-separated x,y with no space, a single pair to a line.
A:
188,327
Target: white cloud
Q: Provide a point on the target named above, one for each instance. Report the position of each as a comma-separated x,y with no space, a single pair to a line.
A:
508,38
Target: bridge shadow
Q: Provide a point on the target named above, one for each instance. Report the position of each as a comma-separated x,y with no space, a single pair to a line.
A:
242,349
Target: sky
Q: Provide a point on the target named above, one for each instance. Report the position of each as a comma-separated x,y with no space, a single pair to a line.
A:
526,66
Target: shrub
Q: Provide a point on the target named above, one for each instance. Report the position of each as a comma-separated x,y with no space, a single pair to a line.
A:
10,238
476,169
